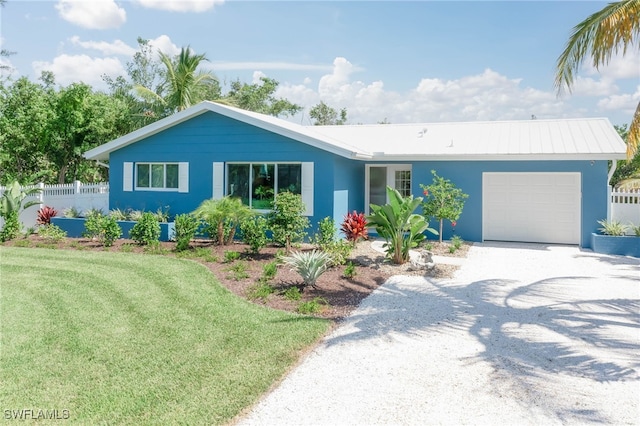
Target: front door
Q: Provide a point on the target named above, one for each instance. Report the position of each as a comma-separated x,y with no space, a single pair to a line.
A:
378,177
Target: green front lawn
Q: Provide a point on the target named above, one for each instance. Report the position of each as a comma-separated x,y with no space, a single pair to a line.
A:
122,338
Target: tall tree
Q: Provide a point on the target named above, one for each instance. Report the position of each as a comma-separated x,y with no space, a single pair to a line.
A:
324,115
259,97
613,29
183,85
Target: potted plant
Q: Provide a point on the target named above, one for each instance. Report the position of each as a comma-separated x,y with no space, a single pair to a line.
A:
613,239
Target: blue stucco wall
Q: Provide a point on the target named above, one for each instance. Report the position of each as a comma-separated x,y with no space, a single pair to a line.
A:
212,138
467,175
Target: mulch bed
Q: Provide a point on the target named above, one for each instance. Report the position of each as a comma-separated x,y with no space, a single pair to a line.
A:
342,294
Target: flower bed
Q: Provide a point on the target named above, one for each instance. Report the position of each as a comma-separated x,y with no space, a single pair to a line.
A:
624,245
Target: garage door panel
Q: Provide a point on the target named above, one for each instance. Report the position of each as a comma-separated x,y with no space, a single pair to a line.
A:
532,207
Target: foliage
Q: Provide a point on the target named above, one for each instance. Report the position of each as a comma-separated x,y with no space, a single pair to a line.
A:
45,214
292,293
222,217
185,227
92,226
339,251
11,227
324,115
310,265
260,290
71,212
147,230
354,227
314,306
51,233
601,36
349,270
398,225
269,271
254,233
135,215
612,227
118,214
110,232
162,215
93,212
287,221
444,200
635,229
456,242
627,173
259,97
238,271
326,234
231,255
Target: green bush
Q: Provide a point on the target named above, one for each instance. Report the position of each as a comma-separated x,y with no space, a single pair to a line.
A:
93,226
221,217
293,294
185,228
318,304
11,227
147,230
110,232
269,271
456,242
11,206
261,290
71,212
326,234
231,255
254,233
287,221
349,270
310,265
51,233
238,271
339,251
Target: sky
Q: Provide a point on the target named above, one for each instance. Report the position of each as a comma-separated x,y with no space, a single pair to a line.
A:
400,62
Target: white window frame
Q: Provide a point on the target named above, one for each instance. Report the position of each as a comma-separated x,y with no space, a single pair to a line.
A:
183,176
390,178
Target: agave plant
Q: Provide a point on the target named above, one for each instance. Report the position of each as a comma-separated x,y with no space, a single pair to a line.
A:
398,225
11,206
310,265
612,227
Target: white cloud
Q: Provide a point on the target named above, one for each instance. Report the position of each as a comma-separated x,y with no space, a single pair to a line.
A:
485,96
164,44
287,66
180,5
75,68
93,14
626,103
619,67
257,75
117,47
587,86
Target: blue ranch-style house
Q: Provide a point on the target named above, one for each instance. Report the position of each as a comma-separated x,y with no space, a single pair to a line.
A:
532,181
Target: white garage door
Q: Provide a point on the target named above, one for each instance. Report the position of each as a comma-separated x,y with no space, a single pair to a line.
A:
531,207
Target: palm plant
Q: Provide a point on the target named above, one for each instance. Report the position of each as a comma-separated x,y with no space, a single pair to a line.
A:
11,204
183,85
398,225
602,35
222,217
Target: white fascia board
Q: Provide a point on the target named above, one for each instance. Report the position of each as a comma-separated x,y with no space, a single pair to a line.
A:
495,157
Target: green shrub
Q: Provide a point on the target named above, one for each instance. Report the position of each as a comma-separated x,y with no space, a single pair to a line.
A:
261,290
231,255
317,305
11,206
287,221
221,217
635,229
443,200
93,212
93,226
269,270
349,270
135,215
238,271
11,227
398,225
254,233
147,230
51,233
612,227
339,251
71,212
110,232
162,215
118,214
292,293
326,234
185,228
456,242
310,265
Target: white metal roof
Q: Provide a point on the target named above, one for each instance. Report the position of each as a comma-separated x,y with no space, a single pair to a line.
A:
575,139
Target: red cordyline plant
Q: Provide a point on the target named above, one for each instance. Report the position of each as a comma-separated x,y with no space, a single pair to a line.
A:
45,214
354,227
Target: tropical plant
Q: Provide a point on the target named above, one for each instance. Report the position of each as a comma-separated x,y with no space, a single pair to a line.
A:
183,85
92,226
314,306
71,212
185,227
354,227
600,36
254,233
11,204
118,214
45,214
612,227
286,220
326,234
635,229
339,251
51,233
349,270
147,230
231,255
110,231
222,217
309,264
269,271
443,200
398,225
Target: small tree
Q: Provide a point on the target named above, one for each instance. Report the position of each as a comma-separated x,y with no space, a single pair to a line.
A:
222,216
287,221
443,200
398,225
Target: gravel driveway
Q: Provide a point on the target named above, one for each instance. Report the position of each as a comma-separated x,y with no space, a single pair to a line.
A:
523,334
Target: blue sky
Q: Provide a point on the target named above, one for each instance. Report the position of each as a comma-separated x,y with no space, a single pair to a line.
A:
417,61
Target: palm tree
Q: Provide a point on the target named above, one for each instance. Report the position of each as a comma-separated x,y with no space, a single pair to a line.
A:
183,84
601,36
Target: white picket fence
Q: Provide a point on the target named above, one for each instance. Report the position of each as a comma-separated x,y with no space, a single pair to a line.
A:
77,194
625,206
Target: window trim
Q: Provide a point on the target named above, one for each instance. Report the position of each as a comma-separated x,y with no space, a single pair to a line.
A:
390,178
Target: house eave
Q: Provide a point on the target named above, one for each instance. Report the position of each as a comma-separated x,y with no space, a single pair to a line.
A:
498,157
